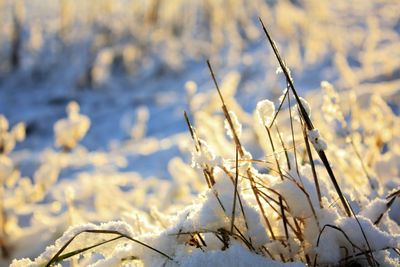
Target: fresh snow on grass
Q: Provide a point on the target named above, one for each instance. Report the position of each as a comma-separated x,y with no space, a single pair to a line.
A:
100,167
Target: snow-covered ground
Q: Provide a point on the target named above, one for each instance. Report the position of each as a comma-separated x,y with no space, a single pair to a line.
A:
134,67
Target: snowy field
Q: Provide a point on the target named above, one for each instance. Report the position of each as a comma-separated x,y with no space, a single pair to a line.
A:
98,166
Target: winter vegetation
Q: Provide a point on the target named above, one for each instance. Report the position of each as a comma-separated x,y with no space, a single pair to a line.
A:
199,133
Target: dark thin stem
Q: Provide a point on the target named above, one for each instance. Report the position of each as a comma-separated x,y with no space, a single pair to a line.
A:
284,146
215,81
288,77
279,109
225,110
388,205
307,120
191,130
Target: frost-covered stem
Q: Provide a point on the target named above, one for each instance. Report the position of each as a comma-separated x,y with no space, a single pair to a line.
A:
284,222
197,233
288,77
292,132
192,132
283,145
307,120
235,137
223,208
197,144
278,110
267,221
238,197
210,179
273,151
310,157
265,197
256,194
203,242
226,112
268,198
243,238
301,239
268,252
206,177
236,190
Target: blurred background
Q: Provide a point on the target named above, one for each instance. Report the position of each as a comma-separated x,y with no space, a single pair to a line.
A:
113,57
134,66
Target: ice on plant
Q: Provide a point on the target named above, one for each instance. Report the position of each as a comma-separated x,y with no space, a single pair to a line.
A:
265,111
252,175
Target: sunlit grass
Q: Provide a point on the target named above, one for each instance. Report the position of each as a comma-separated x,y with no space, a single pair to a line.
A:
293,181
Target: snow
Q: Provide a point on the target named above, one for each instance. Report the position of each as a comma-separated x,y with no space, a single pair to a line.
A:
265,111
205,156
317,141
123,159
236,255
306,106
